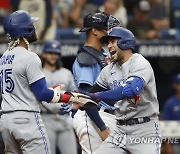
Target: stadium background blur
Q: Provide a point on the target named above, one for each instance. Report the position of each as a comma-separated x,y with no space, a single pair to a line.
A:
155,23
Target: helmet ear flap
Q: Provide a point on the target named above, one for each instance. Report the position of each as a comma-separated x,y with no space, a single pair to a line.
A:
122,44
126,44
119,43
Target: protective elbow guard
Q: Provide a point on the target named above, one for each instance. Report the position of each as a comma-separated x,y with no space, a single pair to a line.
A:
133,87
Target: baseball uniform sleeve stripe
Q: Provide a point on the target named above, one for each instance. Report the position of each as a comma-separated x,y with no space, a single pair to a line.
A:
101,85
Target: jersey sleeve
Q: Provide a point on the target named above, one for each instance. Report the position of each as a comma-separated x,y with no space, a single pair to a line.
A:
33,69
101,80
142,69
84,74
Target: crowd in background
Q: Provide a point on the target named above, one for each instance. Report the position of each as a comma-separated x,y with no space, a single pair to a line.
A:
152,17
147,19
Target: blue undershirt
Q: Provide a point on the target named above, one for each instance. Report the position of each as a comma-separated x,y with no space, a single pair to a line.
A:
40,90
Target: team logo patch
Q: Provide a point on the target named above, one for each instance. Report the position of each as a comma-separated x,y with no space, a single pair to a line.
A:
134,100
119,139
54,45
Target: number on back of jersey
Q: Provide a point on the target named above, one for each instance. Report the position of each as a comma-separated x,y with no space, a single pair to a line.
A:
6,81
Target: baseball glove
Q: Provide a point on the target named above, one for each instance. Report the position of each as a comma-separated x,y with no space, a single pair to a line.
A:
82,100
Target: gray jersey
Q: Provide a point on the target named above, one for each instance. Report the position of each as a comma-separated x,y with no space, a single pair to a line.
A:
62,76
18,69
115,75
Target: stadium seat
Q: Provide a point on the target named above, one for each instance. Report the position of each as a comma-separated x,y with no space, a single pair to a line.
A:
170,34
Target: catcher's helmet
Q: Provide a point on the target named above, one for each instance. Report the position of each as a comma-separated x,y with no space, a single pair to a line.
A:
95,20
19,24
125,36
52,47
99,20
113,22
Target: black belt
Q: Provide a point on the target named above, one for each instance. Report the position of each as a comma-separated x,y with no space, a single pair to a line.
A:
133,121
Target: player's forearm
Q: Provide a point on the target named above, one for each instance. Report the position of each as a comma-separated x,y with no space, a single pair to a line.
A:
110,95
42,93
131,89
95,117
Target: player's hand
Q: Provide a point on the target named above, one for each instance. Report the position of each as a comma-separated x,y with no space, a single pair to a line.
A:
65,108
59,87
80,100
105,133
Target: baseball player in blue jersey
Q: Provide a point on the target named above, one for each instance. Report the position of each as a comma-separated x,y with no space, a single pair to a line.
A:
23,87
90,128
129,82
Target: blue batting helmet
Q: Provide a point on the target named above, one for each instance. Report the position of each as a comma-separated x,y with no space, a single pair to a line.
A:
52,47
125,36
19,24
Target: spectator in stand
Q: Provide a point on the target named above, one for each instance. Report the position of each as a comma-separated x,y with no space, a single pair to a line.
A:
5,9
79,10
141,25
61,12
46,27
115,8
172,109
158,15
130,8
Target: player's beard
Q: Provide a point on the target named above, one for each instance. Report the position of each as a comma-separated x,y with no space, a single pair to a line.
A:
52,64
32,38
117,57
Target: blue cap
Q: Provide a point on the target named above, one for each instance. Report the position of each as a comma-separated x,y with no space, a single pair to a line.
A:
52,46
176,78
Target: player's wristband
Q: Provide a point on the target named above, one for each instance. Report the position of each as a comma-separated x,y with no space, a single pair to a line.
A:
56,97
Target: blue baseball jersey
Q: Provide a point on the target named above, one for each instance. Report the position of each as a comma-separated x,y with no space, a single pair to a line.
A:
172,109
85,74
